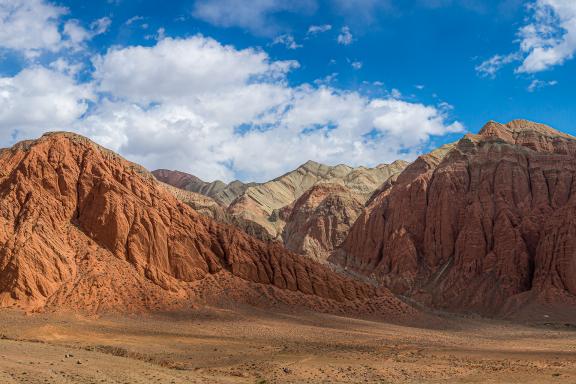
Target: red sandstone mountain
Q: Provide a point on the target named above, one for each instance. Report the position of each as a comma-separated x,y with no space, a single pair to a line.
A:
320,219
487,224
80,227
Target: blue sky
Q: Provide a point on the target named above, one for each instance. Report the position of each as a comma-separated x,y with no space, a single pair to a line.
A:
228,89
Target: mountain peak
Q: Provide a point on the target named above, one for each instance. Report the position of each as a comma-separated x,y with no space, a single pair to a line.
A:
516,127
528,134
312,166
311,163
495,129
522,125
83,228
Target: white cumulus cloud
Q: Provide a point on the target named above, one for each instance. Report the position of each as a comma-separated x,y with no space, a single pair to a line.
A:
490,67
345,37
538,84
100,26
287,40
30,25
548,39
218,112
316,29
38,100
357,65
183,69
213,110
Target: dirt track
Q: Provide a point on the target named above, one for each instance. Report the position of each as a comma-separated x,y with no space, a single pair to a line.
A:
255,346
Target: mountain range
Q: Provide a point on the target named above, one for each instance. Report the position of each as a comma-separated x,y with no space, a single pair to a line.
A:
266,210
483,225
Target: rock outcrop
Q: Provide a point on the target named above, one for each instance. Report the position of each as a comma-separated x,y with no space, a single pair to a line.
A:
320,219
485,225
80,227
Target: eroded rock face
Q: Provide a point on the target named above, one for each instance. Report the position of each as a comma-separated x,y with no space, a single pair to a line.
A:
487,225
80,227
320,220
261,203
285,209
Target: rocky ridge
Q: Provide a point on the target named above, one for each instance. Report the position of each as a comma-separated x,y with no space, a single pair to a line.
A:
309,210
320,219
82,228
486,225
221,192
261,203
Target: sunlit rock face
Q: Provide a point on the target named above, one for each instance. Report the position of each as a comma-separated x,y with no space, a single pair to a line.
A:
80,227
487,224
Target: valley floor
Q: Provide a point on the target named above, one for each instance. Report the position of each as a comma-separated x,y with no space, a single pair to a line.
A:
257,346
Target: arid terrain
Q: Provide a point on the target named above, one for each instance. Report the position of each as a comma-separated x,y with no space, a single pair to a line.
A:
287,191
249,345
458,268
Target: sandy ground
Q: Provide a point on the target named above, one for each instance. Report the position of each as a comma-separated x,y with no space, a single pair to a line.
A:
256,346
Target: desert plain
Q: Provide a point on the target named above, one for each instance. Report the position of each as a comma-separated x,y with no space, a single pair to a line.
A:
246,344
